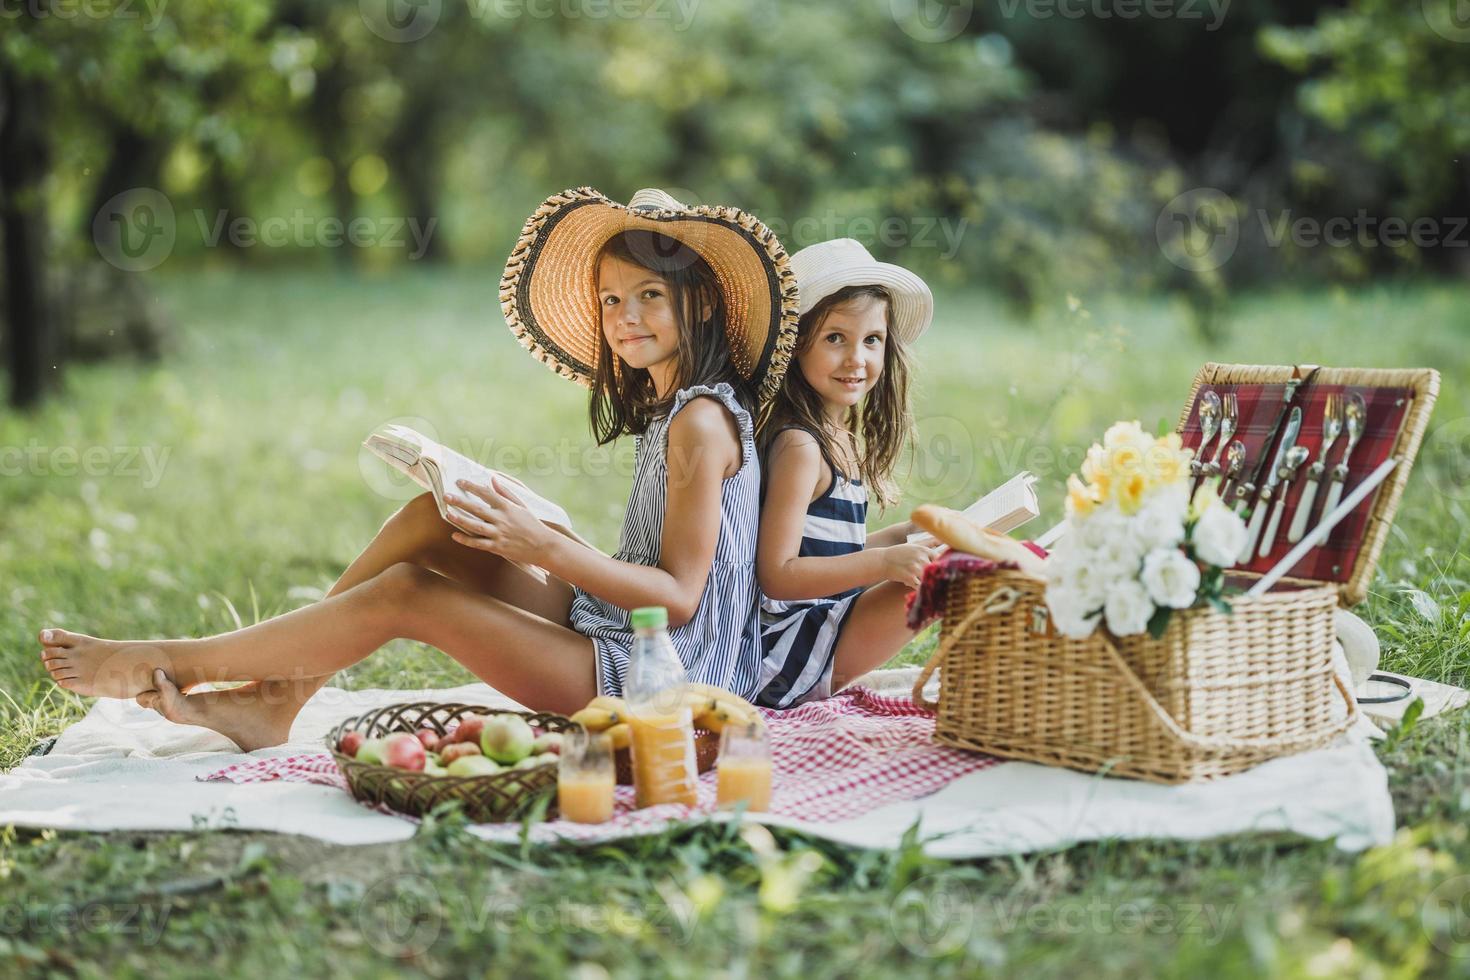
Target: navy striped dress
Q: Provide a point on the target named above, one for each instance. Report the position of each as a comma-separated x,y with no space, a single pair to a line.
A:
721,644
799,638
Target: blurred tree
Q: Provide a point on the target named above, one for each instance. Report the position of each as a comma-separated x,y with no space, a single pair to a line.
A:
1396,76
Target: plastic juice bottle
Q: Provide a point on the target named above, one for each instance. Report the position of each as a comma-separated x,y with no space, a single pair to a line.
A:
660,726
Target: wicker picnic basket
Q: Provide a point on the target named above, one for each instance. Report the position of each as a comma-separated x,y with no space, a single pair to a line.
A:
506,795
1215,695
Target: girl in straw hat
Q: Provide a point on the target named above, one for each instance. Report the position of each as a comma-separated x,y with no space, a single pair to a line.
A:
681,321
834,596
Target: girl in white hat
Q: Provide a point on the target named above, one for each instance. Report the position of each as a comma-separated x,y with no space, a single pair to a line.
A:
681,321
833,597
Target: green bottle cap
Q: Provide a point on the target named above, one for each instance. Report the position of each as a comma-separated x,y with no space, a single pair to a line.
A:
650,617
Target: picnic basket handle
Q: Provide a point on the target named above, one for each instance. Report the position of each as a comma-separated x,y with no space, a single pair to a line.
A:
1000,600
1200,742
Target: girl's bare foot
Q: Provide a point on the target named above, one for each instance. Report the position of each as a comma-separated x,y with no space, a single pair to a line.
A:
242,715
100,668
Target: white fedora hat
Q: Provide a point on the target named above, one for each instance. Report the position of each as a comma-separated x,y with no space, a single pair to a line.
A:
826,267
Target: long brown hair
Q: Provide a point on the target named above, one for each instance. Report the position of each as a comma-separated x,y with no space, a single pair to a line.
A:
624,400
883,423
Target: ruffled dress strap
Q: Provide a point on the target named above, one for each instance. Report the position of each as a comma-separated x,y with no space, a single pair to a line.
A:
726,394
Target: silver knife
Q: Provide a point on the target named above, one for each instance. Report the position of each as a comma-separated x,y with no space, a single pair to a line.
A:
1258,513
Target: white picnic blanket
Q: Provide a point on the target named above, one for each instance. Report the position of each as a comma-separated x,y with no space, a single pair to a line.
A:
124,768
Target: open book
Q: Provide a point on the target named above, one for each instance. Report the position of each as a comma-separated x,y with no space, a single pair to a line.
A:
1003,509
435,468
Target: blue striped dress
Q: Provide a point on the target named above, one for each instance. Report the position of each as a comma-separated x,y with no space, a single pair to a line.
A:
721,644
799,638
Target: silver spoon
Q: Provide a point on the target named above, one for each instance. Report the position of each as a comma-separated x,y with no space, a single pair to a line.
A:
1209,424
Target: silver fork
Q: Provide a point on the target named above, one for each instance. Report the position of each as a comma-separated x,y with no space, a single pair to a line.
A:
1332,419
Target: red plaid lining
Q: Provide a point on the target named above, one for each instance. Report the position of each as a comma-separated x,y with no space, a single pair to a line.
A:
1259,404
833,759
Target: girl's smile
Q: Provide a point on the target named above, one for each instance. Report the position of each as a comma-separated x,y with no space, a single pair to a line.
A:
843,362
638,317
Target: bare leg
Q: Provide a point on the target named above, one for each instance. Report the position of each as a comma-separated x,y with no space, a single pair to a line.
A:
261,713
406,600
875,631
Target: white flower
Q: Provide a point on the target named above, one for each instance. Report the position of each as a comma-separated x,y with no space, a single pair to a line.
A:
1069,612
1219,536
1128,609
1170,577
1159,523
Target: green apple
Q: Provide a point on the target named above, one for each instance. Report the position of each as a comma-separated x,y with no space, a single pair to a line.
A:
507,739
432,768
371,752
536,761
473,765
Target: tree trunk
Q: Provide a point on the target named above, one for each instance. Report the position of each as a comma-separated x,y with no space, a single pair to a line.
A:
30,323
412,153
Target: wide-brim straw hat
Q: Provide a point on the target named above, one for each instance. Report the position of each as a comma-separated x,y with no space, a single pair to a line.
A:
826,267
549,290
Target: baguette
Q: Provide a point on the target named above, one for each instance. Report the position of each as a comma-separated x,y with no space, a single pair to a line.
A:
962,534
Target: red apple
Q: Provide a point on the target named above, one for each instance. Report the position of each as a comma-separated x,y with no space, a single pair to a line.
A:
429,738
403,751
469,729
457,751
350,743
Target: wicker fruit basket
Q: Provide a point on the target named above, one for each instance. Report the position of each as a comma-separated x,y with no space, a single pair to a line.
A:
506,795
1215,695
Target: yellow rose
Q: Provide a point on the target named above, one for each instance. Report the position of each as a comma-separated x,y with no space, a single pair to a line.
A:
1124,434
1130,491
1081,499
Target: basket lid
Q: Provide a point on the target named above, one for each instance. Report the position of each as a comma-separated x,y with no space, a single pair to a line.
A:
1398,406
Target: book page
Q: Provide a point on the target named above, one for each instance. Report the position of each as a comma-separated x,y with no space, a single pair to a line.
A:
1003,509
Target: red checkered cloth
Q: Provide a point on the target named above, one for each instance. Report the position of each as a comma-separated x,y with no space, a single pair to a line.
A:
833,759
928,601
1259,405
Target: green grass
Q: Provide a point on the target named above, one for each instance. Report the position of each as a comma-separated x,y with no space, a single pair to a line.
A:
259,503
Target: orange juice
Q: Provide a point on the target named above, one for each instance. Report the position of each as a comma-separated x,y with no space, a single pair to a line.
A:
585,798
663,758
746,780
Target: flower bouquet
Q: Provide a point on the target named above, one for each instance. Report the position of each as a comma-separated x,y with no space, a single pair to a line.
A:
1137,546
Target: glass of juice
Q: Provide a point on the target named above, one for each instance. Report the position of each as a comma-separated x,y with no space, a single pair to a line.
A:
585,777
744,767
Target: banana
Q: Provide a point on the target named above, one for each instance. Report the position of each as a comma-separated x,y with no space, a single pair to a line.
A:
723,712
597,719
621,736
714,692
615,705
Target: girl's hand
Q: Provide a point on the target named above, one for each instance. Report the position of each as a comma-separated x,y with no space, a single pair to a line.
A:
904,563
499,522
